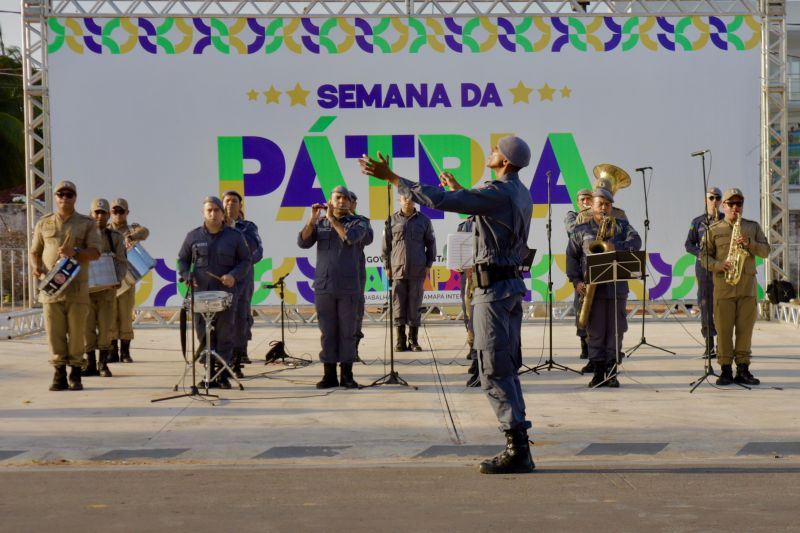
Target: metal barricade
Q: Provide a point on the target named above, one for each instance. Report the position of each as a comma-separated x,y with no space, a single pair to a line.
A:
14,274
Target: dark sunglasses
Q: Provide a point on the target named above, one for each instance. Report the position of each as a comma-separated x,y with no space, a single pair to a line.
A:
735,204
714,197
65,194
118,211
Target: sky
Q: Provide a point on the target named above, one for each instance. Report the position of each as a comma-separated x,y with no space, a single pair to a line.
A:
10,23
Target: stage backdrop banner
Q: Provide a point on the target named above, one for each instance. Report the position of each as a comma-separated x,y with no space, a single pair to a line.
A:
164,112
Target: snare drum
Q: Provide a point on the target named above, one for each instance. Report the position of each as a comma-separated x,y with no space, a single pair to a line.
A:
102,273
60,276
210,301
139,264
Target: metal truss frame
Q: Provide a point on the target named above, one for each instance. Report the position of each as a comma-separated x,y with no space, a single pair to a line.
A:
774,136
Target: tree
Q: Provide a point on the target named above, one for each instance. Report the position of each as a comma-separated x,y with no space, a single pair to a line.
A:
12,118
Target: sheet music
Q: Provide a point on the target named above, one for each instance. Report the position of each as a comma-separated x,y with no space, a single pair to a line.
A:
459,250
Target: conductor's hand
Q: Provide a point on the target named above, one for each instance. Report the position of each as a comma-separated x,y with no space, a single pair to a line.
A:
377,168
448,180
228,280
581,288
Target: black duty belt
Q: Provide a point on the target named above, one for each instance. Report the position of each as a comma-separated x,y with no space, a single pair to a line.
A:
484,275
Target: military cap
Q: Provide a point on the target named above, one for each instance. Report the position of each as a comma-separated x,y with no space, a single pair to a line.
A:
119,202
714,190
584,192
730,193
65,185
600,192
213,200
515,150
100,204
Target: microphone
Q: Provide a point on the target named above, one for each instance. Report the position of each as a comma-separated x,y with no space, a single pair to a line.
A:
640,169
701,152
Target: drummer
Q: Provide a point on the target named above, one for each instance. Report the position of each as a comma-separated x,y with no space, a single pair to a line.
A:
65,234
221,261
122,324
102,302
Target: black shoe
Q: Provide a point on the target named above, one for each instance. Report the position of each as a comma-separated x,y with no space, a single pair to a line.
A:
329,379
515,459
588,368
744,376
91,365
113,357
400,345
584,348
612,382
599,377
347,380
726,376
237,371
413,343
223,381
474,379
75,378
244,359
620,357
102,365
59,379
125,351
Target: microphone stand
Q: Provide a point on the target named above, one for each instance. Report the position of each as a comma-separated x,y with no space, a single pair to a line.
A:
643,340
278,350
550,364
193,390
708,368
393,377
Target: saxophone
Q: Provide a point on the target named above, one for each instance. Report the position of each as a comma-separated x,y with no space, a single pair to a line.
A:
606,231
736,255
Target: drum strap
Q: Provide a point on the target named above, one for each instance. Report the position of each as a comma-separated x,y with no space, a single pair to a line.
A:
110,241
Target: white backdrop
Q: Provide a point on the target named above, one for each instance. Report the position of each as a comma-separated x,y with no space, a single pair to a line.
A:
147,127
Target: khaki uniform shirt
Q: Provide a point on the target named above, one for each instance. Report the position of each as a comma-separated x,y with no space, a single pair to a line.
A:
586,214
50,233
718,242
134,232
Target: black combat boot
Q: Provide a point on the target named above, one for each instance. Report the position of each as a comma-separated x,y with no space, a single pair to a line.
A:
329,380
245,359
474,379
125,351
102,365
744,376
222,380
400,345
413,343
589,367
726,376
59,379
75,378
611,375
113,357
599,374
584,348
91,365
236,365
515,459
347,380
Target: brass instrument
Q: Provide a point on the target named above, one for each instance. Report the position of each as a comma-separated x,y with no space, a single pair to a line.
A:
600,245
736,255
613,175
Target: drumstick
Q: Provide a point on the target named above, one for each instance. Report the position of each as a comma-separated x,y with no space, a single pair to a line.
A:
218,278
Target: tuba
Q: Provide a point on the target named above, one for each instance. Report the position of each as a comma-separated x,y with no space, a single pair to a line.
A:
613,175
736,255
600,245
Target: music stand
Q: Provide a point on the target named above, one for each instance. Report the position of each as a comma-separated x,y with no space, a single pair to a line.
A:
612,267
278,349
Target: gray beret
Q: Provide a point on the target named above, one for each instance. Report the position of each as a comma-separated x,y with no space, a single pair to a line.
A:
353,196
213,200
515,150
603,193
341,190
714,190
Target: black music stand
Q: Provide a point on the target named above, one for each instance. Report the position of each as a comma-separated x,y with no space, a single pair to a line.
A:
611,267
278,348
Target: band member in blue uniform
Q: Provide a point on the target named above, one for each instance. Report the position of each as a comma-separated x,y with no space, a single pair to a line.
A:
502,210
337,283
216,258
234,217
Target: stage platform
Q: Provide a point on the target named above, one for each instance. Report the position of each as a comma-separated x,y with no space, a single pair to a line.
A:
281,419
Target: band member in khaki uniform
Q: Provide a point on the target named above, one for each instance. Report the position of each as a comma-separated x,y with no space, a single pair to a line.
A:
734,305
122,327
101,310
65,233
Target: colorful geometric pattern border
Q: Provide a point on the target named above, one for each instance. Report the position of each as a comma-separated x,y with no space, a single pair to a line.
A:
392,35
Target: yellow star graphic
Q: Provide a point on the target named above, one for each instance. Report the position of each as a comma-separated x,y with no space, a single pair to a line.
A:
252,95
566,92
273,95
521,93
546,93
298,95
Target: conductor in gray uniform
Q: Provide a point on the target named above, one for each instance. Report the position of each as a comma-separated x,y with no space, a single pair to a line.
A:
337,283
411,249
502,210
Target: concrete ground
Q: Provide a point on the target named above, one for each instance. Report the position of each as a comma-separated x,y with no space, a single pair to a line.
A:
649,452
